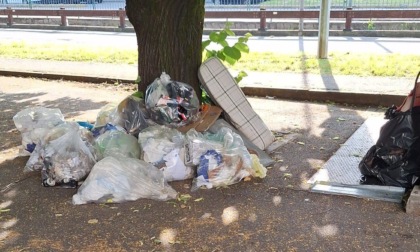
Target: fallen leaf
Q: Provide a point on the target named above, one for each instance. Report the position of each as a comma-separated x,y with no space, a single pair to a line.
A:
287,175
4,210
157,241
247,178
341,119
269,167
184,197
58,215
173,203
301,143
199,199
135,211
336,138
93,221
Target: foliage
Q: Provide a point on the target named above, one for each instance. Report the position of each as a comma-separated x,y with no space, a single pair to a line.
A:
340,63
371,25
217,46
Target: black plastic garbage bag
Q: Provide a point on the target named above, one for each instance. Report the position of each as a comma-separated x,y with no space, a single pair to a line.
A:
395,158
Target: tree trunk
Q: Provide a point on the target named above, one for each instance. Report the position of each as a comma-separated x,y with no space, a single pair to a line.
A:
169,35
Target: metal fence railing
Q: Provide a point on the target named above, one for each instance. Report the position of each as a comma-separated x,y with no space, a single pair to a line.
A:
218,5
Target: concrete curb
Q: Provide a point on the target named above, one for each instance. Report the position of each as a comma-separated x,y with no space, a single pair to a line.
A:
362,99
53,76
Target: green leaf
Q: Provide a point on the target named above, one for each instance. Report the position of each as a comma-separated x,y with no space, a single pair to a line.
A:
138,94
214,36
210,54
242,74
184,197
230,60
224,43
138,80
221,56
228,25
222,36
242,40
248,35
204,44
218,37
229,32
242,47
232,52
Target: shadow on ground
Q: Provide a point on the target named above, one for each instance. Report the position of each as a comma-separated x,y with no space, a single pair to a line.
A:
272,214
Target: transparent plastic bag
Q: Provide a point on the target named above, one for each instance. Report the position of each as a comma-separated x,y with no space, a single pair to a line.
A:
103,116
171,103
164,148
117,144
36,159
196,145
157,141
34,123
115,180
130,114
223,158
175,168
264,158
67,159
220,169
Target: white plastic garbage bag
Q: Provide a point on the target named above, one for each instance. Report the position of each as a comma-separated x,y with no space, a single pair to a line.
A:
34,123
164,148
36,160
175,168
157,141
123,179
67,159
222,158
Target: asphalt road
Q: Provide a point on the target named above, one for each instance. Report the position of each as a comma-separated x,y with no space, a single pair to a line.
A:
257,44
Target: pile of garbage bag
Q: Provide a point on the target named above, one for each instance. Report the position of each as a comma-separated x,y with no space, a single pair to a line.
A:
135,147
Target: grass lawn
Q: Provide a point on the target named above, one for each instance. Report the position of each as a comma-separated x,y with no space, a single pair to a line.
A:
337,63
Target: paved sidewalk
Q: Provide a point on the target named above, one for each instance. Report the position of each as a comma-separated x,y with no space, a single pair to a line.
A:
346,89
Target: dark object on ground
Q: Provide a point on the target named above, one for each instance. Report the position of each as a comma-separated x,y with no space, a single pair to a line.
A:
395,158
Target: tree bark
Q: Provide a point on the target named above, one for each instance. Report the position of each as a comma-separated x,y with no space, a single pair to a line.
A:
169,35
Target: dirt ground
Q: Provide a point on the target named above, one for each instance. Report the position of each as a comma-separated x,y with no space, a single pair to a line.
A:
272,214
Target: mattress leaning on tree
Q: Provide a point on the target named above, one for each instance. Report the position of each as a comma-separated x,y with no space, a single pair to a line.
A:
225,93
